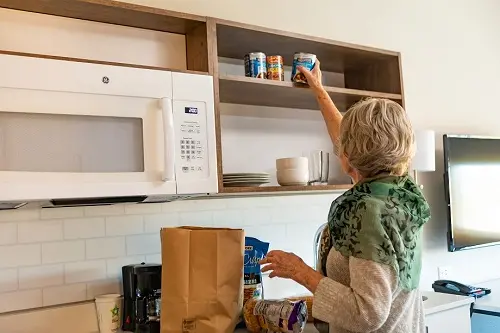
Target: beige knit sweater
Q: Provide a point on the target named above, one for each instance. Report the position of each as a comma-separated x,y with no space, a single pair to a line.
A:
363,296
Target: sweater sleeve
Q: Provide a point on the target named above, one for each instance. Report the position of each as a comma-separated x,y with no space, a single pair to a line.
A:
363,306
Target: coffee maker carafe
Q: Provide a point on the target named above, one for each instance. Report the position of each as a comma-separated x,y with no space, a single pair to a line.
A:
142,298
148,298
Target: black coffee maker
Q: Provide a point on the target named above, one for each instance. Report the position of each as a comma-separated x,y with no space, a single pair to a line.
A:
141,298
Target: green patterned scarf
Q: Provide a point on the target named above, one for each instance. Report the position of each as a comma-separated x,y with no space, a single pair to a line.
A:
379,219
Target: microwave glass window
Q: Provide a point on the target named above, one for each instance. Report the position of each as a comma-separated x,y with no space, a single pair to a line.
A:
70,143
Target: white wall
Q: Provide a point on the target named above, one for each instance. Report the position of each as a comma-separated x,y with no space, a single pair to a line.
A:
450,51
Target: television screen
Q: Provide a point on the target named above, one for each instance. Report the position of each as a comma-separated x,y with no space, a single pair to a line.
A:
472,186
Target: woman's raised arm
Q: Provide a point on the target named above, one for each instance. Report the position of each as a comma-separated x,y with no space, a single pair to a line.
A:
330,113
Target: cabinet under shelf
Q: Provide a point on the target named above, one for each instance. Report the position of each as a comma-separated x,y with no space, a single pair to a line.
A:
273,189
251,91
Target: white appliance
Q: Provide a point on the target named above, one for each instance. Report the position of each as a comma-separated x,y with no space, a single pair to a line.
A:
103,134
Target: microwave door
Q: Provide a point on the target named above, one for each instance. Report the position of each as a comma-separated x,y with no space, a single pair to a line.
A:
58,145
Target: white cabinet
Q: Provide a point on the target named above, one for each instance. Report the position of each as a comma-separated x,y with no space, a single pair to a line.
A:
454,320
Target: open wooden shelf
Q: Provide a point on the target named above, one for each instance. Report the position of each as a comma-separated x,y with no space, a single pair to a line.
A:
199,36
234,40
251,91
272,189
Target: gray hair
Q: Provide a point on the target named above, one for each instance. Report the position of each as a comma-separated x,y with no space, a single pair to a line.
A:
376,136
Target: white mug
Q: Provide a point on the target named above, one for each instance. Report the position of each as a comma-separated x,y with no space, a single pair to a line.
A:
108,312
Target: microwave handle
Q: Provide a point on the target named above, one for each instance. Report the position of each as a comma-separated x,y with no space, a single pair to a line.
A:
169,139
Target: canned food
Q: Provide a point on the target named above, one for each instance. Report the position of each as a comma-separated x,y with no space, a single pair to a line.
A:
255,65
275,68
306,60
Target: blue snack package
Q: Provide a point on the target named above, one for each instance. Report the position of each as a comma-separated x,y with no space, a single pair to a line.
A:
255,250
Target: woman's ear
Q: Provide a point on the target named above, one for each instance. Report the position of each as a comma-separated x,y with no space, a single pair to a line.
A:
349,170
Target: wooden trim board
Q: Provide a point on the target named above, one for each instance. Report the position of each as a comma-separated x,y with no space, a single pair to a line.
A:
34,55
252,91
113,12
268,189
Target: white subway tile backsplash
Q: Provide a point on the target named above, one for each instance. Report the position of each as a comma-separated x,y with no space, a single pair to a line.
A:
8,233
84,228
93,243
143,244
124,225
20,300
106,210
114,266
105,248
41,276
275,235
110,286
39,231
252,202
19,255
61,213
257,216
63,251
64,294
153,258
179,206
196,218
85,271
229,218
154,223
136,209
209,204
8,280
302,214
23,214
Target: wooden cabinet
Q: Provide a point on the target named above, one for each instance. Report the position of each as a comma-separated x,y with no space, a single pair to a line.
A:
257,120
280,118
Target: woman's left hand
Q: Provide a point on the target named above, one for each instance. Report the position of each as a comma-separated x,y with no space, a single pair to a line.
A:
283,264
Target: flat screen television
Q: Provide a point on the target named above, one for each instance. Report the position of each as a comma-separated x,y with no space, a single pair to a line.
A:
472,189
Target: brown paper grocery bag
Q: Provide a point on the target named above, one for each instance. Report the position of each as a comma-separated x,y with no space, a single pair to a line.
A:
202,279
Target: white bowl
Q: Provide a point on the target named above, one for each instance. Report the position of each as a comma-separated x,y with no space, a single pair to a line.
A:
292,176
292,163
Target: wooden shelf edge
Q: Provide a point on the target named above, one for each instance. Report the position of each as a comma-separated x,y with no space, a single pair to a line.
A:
284,189
147,9
99,62
111,12
333,90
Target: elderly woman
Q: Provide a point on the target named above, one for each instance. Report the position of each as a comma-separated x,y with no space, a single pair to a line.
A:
370,256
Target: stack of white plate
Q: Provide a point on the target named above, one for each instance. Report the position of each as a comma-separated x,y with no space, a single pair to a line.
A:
245,179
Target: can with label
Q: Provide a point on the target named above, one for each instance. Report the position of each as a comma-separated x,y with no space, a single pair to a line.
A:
306,60
255,65
275,68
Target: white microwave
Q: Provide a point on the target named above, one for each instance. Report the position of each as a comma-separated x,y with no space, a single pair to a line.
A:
82,130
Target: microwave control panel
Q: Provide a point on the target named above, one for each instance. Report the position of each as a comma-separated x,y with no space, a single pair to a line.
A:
191,148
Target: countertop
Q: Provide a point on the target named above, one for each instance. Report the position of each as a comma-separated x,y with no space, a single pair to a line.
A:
436,302
42,320
309,329
491,302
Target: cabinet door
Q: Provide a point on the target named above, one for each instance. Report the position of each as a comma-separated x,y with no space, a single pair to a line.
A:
450,321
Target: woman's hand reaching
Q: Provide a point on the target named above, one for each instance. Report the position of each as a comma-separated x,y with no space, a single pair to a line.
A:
282,264
289,266
313,77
